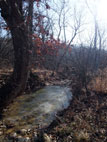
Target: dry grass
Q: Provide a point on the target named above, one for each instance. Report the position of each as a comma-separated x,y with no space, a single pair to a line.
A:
99,83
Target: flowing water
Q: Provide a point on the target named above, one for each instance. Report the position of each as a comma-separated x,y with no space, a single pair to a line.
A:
38,108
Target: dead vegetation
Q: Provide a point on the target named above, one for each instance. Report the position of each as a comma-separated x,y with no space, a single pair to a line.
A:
84,121
86,118
99,82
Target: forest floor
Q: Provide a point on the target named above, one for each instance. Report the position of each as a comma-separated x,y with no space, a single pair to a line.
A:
85,120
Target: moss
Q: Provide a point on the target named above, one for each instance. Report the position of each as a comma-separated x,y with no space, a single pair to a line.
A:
40,91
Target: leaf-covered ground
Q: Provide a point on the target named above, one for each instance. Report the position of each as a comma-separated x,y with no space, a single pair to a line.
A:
85,120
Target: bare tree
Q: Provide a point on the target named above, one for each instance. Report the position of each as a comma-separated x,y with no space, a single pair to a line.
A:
63,23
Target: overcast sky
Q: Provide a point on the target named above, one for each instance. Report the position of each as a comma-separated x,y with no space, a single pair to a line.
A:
89,10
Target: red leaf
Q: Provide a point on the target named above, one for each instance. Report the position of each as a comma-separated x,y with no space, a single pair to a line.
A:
47,6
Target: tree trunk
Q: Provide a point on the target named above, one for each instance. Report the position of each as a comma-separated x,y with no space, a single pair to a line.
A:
10,11
22,57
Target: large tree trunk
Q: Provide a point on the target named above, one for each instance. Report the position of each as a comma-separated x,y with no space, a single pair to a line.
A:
22,58
12,14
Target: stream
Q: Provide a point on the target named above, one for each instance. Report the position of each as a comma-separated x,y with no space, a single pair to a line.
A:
38,108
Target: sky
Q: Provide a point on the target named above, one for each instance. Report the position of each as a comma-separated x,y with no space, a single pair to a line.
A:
102,10
89,10
93,9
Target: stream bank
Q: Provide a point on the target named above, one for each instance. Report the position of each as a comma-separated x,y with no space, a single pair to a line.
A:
34,111
84,120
